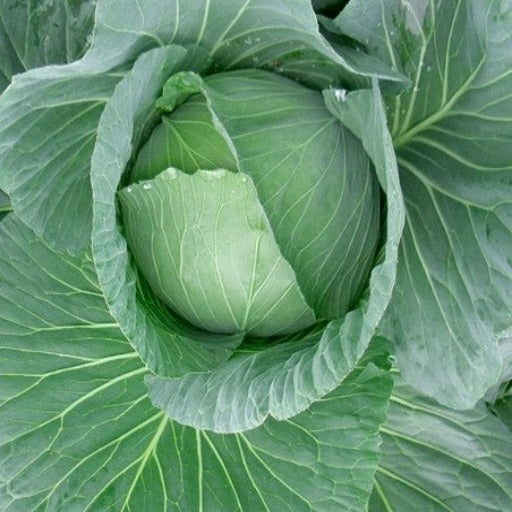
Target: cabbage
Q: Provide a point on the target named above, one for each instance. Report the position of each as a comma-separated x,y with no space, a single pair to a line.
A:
267,238
255,255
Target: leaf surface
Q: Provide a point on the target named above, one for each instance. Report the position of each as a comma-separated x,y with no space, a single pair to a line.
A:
78,432
437,459
205,244
238,34
452,132
34,34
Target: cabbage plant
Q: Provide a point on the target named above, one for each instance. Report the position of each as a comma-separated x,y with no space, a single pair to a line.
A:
255,255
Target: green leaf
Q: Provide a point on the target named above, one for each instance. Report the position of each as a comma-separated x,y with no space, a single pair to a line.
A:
313,178
437,459
35,33
238,34
77,431
47,135
452,133
205,245
256,382
369,66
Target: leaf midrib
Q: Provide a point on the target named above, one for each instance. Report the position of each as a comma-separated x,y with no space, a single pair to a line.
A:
437,116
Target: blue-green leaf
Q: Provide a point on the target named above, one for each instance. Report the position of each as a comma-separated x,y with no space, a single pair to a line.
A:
77,431
452,132
34,33
436,459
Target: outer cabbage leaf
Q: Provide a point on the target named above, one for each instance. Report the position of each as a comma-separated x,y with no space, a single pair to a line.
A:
249,33
437,459
452,133
34,33
47,135
238,34
209,252
78,432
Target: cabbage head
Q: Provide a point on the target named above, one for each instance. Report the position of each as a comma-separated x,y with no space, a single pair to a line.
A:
255,255
264,238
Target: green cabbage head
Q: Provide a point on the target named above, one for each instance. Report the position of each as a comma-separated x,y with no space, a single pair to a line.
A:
267,238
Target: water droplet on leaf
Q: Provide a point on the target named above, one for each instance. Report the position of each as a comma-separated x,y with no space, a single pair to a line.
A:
171,173
340,94
216,174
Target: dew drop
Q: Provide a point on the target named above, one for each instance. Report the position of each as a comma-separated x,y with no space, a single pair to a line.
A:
146,186
216,174
248,40
171,173
340,94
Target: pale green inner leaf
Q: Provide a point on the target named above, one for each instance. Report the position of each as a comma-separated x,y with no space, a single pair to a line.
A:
205,245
